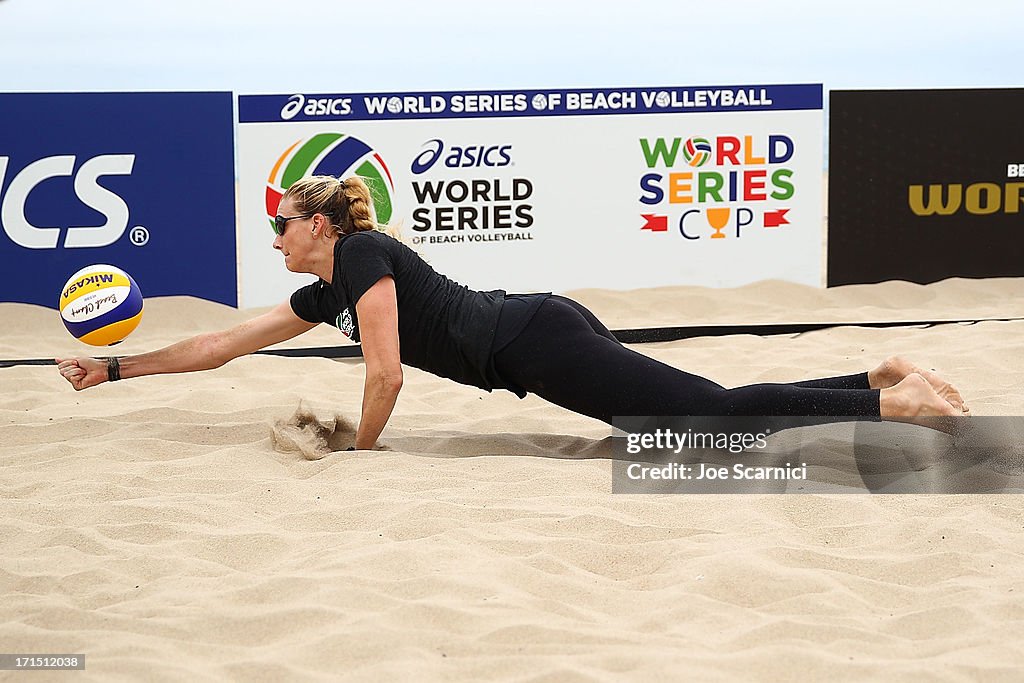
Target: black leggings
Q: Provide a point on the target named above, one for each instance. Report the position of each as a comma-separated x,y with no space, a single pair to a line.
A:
566,356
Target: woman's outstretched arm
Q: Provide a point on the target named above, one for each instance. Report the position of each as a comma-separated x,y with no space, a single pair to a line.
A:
202,352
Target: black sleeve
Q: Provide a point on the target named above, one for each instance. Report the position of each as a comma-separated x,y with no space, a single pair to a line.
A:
305,303
364,260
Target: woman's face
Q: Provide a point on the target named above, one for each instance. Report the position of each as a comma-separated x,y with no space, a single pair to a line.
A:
297,242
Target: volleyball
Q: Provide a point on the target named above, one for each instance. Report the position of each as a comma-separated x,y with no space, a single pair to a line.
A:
101,305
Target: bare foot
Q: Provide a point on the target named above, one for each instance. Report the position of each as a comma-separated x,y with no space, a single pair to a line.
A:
895,369
914,396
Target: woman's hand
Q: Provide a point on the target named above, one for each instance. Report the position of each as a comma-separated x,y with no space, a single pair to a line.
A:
82,373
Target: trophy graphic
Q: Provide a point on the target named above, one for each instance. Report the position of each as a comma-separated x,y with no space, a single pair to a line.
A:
717,219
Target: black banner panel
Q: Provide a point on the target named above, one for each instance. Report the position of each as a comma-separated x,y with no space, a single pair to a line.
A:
925,185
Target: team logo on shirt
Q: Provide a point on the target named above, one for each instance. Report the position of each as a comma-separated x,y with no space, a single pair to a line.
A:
345,324
334,154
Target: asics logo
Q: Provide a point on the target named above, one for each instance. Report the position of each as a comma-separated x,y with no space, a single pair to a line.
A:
87,188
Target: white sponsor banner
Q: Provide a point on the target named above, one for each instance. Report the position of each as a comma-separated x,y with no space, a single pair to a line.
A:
567,200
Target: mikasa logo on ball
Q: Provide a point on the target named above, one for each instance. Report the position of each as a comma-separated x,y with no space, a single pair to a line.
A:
87,189
98,280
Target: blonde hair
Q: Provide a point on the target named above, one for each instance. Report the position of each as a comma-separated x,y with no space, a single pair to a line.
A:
347,204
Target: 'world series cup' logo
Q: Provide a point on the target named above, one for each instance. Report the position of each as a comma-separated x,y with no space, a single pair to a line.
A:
716,182
333,154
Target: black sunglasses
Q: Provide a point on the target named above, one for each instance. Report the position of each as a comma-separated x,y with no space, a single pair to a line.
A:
281,221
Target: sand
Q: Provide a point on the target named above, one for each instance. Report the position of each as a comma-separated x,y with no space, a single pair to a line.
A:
158,526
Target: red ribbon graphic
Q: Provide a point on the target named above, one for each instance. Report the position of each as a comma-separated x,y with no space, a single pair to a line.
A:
655,223
773,219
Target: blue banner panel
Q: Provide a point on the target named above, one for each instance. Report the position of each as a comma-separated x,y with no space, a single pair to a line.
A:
141,181
518,103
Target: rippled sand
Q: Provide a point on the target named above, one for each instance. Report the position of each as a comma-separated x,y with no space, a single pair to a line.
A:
158,527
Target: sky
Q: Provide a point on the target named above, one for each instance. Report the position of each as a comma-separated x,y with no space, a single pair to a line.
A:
264,46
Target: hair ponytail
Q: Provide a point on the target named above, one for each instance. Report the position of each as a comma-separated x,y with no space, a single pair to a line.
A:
359,214
347,203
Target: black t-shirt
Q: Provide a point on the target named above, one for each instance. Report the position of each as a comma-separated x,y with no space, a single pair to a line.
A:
443,327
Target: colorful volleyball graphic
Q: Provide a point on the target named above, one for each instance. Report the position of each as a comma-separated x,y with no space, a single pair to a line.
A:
697,151
101,305
333,154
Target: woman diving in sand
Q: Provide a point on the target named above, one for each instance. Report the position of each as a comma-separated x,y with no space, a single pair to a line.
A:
381,294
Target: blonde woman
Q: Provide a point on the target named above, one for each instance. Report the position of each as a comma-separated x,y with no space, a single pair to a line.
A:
382,294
